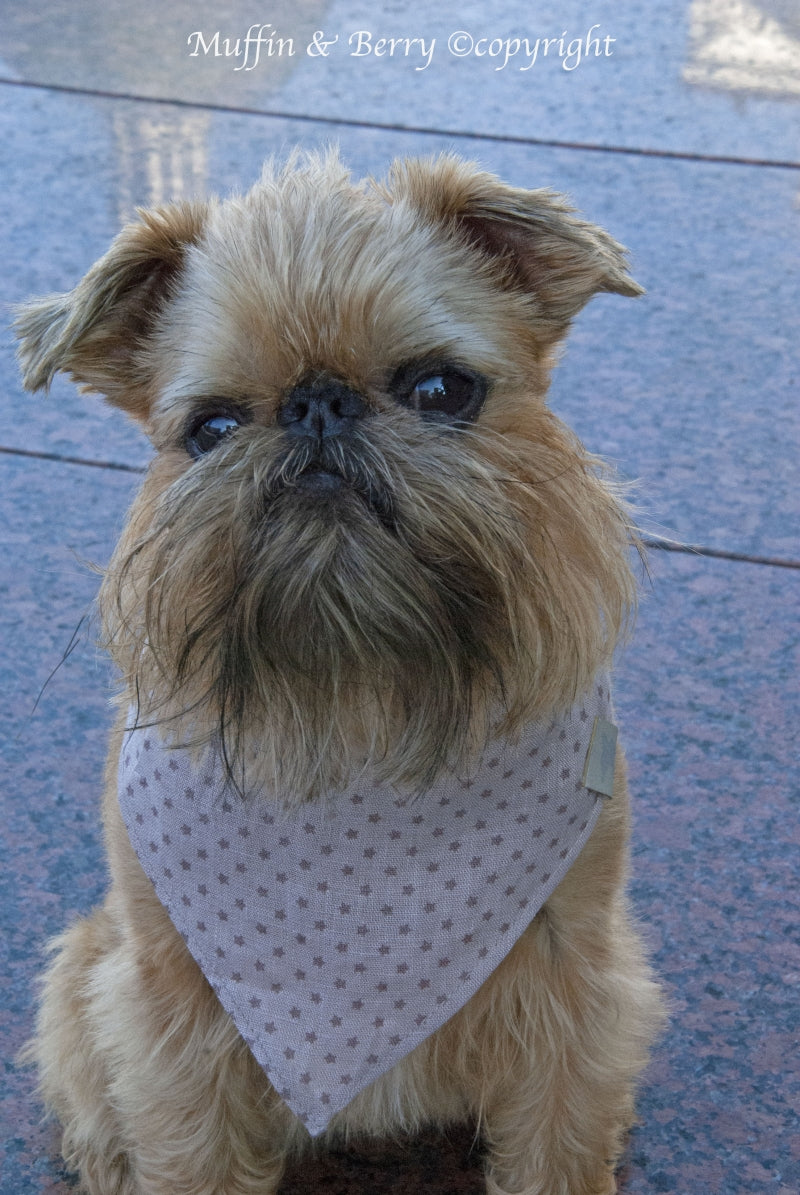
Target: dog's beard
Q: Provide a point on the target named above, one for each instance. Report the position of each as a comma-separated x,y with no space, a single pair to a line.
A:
376,600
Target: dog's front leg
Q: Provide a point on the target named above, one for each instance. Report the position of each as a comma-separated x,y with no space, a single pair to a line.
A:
157,1092
200,1113
555,1119
573,1026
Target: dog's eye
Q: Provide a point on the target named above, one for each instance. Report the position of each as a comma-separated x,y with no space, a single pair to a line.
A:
446,395
206,435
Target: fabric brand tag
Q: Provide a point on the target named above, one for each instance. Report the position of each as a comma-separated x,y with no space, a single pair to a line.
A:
598,771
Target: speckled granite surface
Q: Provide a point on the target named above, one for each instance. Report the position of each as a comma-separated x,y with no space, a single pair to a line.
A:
693,390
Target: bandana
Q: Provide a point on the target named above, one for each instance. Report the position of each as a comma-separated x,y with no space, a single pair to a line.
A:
341,935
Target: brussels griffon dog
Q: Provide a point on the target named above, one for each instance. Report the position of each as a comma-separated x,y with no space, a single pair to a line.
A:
365,814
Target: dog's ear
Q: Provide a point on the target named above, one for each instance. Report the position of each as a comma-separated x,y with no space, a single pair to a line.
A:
98,332
539,242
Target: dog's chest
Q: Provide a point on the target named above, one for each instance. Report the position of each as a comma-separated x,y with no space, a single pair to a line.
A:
340,936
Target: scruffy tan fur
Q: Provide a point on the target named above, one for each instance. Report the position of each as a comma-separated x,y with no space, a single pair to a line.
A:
463,576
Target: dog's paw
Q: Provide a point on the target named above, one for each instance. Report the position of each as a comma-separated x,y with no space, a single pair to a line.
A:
555,1185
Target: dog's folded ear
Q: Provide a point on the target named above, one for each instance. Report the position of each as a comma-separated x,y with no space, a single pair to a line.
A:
98,332
535,238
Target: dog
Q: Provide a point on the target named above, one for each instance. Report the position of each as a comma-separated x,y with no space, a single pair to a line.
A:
365,814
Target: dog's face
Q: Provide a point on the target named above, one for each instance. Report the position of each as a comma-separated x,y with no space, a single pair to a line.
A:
364,536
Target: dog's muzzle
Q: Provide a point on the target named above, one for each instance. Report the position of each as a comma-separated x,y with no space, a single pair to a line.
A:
328,451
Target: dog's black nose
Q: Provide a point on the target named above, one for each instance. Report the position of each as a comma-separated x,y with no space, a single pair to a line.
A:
320,409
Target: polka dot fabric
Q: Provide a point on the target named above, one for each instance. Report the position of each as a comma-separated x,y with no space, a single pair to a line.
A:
341,935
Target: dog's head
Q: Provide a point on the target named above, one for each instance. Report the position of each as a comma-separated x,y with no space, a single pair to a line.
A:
364,537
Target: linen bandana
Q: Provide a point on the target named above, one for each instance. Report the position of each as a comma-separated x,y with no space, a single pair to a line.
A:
341,935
